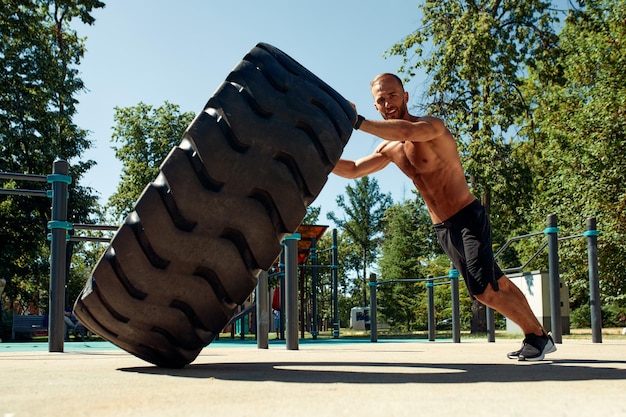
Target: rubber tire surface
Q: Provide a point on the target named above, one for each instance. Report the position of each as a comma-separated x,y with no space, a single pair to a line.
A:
240,180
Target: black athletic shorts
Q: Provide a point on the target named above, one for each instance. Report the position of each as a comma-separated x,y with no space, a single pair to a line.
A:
466,239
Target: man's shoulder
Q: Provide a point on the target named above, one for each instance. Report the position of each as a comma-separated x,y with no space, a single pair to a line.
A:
425,118
436,125
387,146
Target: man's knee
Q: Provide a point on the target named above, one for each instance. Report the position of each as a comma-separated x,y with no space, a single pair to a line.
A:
489,295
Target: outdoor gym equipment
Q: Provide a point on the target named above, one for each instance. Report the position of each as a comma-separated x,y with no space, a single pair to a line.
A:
551,231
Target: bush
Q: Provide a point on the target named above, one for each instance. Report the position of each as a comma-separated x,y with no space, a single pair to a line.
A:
581,317
612,316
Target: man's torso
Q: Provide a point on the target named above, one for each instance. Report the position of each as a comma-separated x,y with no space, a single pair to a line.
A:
435,169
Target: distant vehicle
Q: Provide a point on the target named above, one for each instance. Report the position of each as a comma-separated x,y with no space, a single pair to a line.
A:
360,319
445,324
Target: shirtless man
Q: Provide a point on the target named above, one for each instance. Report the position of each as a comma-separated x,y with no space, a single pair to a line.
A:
425,150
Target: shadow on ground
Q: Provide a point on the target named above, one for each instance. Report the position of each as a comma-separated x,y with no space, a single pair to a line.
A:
397,373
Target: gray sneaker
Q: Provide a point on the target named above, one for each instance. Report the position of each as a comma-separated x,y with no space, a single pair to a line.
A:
515,354
534,348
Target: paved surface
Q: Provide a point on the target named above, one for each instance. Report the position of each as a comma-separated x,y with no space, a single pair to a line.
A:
330,378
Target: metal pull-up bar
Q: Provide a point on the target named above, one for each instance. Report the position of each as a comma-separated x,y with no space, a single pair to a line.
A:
58,226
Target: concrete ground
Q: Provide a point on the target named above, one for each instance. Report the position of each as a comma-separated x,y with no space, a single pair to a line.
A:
321,378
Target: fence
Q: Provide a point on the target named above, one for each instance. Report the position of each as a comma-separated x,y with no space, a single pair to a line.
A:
59,227
551,231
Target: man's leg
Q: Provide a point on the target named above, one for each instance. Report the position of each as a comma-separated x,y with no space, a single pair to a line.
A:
512,303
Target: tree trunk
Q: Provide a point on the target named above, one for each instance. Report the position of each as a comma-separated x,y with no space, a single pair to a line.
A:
479,318
365,303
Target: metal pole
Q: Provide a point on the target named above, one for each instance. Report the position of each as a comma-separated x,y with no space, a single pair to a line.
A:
313,256
594,285
491,325
335,277
456,315
34,193
242,325
430,286
59,226
23,177
291,290
373,309
281,294
104,227
555,285
262,311
302,300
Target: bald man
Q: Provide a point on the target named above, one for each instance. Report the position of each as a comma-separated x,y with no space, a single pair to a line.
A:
425,150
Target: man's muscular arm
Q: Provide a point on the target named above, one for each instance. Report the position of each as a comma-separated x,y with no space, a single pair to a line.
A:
422,130
361,167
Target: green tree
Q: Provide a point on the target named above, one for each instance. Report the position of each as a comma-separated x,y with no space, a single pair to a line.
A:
409,240
312,215
39,58
365,210
477,52
408,246
348,259
145,136
577,143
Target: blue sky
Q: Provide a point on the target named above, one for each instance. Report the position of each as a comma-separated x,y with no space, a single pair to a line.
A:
154,51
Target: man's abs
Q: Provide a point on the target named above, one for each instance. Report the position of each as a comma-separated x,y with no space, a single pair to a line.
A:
436,171
443,198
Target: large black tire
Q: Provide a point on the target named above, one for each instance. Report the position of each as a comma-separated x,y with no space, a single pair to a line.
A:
241,179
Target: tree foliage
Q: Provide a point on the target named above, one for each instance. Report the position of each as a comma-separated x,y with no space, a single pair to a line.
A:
578,141
540,121
409,240
145,135
348,259
474,54
409,246
363,221
39,58
312,215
